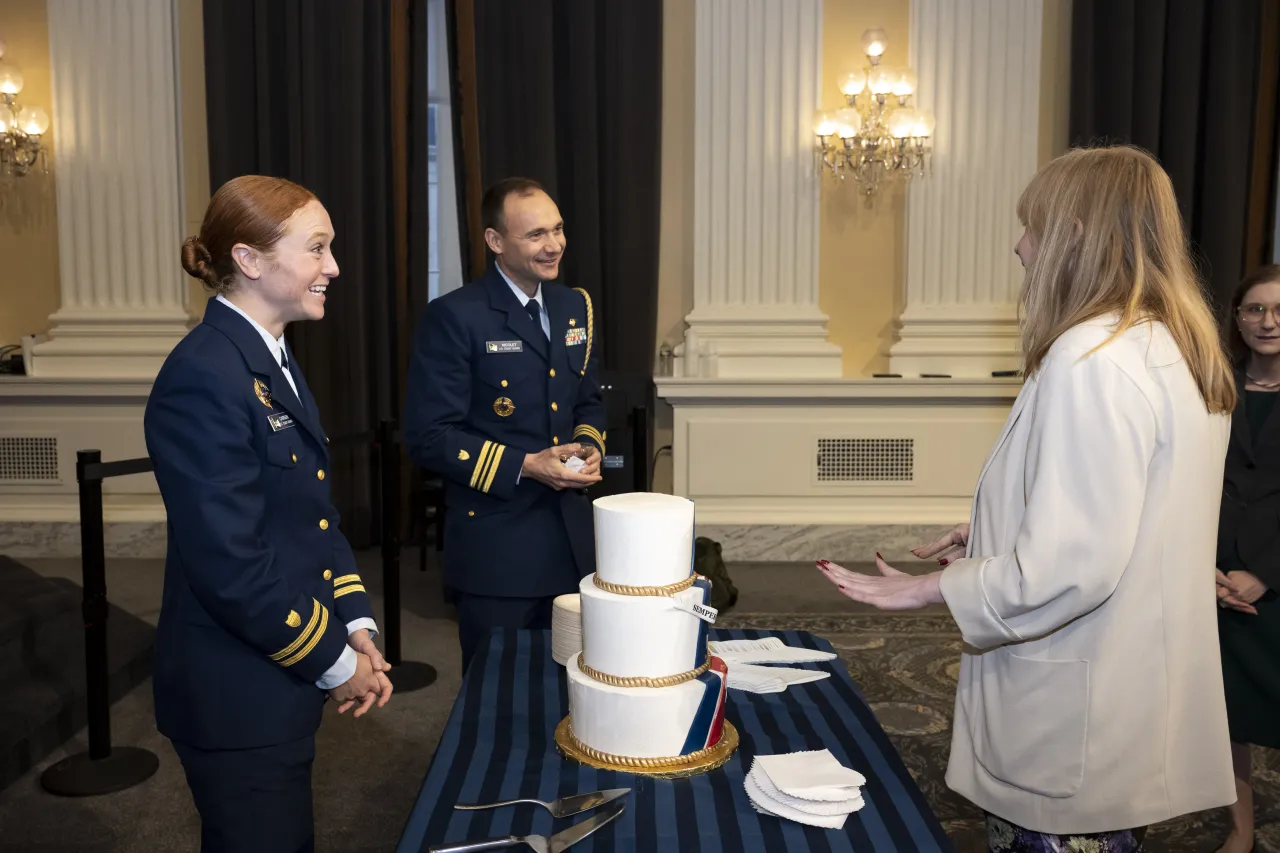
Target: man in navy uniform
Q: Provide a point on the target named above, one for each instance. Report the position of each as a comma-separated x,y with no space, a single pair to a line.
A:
503,390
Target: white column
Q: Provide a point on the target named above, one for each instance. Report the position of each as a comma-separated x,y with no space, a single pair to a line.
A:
758,84
978,64
115,113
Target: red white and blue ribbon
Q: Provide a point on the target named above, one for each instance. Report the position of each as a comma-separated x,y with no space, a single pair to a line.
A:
708,720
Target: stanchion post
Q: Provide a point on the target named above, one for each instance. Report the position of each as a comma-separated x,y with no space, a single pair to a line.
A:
640,448
406,675
388,451
102,769
93,560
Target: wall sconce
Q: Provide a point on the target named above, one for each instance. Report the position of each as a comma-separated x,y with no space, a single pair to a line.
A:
20,126
878,136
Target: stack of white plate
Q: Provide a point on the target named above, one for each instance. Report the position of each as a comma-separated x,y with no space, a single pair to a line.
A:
566,627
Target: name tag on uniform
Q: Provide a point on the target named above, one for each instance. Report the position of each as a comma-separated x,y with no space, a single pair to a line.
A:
504,346
575,336
280,420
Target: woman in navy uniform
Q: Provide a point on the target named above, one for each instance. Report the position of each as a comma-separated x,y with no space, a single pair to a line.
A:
503,385
264,613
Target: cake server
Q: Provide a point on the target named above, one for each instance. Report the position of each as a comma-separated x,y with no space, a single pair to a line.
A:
557,843
563,807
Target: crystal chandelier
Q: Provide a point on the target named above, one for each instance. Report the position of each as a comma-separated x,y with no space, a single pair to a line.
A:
878,136
20,126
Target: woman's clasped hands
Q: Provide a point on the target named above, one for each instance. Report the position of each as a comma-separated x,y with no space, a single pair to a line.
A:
1239,590
370,683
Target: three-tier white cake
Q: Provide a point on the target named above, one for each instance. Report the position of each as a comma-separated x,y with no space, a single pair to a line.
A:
645,690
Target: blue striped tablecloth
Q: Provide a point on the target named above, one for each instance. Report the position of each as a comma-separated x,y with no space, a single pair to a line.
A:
499,745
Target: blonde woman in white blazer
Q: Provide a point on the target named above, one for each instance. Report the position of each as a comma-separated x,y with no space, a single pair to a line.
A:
1090,700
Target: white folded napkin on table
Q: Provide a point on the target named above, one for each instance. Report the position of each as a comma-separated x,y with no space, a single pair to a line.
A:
807,787
768,650
769,679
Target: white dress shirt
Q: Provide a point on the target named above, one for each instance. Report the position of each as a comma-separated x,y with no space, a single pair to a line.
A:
345,666
525,298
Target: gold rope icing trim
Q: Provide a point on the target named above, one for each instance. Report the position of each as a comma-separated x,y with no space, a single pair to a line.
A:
622,589
672,763
640,680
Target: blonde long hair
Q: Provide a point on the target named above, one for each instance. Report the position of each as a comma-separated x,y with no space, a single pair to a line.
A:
1109,238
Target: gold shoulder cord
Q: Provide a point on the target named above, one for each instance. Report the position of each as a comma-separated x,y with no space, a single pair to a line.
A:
591,328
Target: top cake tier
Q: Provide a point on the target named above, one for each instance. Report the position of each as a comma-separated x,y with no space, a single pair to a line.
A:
644,538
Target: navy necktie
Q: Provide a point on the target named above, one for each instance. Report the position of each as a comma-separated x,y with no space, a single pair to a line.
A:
535,311
284,360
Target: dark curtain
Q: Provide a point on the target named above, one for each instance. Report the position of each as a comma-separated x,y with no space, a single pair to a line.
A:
307,90
569,93
1191,82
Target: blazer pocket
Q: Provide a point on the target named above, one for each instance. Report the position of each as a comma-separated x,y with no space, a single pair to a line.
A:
505,370
280,452
1033,725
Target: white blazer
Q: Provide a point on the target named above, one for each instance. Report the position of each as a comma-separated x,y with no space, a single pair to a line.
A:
1090,695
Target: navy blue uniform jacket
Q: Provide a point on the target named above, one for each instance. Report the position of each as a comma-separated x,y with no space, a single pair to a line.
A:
259,583
485,388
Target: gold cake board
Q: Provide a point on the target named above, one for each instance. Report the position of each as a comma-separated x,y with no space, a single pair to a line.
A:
693,764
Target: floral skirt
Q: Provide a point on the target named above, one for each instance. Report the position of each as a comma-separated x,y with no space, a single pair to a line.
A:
1005,837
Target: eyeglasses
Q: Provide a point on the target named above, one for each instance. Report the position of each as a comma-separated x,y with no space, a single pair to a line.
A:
1253,314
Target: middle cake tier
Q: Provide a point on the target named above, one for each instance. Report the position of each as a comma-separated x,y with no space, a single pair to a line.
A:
629,636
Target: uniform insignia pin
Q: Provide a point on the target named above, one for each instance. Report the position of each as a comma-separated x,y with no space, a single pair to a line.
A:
504,407
294,620
464,455
572,322
263,393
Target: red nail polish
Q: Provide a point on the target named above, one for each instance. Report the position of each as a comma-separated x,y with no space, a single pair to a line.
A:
840,586
943,562
878,556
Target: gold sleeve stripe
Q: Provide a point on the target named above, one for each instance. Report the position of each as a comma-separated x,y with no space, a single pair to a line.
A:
493,468
346,579
590,432
478,471
315,638
302,637
355,587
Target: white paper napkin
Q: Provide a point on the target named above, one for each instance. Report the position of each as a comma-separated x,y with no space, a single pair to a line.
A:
850,803
816,775
769,679
809,787
768,650
766,806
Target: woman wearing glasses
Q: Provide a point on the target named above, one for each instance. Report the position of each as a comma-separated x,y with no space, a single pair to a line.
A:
1249,541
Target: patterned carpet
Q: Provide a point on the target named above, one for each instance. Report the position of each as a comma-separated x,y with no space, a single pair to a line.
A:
907,664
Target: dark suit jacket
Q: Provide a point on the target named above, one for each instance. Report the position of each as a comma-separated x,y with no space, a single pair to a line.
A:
486,387
259,583
1249,524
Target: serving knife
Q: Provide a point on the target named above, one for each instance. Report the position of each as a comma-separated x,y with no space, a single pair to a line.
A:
557,843
563,807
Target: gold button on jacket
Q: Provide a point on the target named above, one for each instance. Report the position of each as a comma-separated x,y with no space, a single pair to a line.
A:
320,474
328,575
324,524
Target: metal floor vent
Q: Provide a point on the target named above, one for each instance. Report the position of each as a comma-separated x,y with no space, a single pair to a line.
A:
28,459
866,460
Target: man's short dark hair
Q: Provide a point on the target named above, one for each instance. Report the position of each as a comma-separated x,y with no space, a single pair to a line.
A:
495,198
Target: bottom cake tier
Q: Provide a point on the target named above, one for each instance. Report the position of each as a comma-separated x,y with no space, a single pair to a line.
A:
648,722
